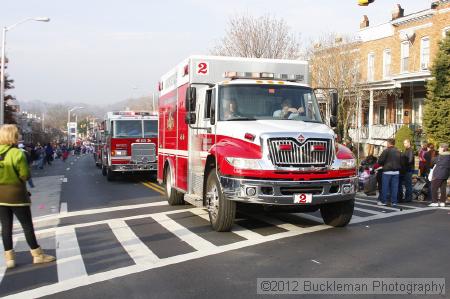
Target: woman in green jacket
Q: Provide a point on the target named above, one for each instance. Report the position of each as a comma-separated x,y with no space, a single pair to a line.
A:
14,197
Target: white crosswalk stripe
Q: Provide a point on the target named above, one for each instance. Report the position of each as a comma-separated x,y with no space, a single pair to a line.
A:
135,248
72,270
183,233
68,257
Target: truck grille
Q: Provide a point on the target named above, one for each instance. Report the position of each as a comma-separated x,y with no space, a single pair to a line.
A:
143,152
300,154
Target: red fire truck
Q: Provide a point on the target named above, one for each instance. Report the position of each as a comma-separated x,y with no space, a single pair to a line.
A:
250,130
130,141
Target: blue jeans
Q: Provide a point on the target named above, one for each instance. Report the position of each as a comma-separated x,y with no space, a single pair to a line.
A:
390,183
405,180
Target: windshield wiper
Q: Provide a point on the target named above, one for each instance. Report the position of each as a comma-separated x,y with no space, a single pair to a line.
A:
241,118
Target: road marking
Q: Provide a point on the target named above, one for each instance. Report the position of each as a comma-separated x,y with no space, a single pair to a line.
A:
68,168
314,261
385,207
69,261
157,189
156,186
388,215
135,248
372,212
183,233
117,208
121,272
63,209
237,229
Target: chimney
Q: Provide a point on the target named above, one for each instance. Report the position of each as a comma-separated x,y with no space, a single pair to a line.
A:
364,22
397,12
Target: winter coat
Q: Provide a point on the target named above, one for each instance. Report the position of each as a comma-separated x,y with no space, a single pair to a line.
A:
390,159
442,167
14,172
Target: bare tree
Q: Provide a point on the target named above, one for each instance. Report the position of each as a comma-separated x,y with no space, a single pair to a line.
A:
259,37
334,63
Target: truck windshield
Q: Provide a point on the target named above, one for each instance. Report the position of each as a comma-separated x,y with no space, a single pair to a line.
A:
128,128
150,128
267,102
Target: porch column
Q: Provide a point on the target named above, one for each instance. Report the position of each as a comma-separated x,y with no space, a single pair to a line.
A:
370,113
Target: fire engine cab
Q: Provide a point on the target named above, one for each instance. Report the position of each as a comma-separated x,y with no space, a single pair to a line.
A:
250,130
130,140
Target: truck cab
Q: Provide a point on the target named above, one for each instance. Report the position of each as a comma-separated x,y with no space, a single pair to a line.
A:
130,143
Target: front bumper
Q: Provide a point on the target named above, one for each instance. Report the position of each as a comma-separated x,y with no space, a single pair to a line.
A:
134,167
272,192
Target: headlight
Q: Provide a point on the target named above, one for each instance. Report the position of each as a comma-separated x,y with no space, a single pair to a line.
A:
347,163
120,152
242,163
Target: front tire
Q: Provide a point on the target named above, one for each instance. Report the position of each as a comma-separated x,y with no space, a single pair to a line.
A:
103,170
221,211
337,214
110,175
174,197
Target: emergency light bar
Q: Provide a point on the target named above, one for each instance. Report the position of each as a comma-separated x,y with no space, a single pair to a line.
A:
131,113
271,76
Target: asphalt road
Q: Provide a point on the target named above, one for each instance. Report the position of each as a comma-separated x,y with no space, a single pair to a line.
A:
121,240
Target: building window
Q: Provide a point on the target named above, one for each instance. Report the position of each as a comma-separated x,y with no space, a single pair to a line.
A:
404,54
417,111
382,115
424,53
387,63
370,67
399,111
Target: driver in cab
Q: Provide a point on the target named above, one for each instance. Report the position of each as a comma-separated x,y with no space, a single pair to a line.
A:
230,109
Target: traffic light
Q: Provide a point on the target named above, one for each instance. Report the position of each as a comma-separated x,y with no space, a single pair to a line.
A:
365,2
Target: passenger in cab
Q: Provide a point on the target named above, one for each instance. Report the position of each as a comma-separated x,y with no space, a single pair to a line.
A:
285,111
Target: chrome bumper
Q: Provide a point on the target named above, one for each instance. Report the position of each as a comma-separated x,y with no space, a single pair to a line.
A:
282,192
134,167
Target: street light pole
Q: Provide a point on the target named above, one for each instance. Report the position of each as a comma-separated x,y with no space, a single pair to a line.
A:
2,79
68,121
3,62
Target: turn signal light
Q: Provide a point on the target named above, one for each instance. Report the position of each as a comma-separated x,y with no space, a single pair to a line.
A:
249,136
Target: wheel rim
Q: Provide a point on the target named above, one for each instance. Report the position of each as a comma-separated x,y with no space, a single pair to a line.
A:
168,183
213,201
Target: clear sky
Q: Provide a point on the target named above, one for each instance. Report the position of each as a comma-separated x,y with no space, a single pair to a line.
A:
103,51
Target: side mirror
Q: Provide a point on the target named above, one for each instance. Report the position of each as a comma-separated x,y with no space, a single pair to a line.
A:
334,109
191,118
191,97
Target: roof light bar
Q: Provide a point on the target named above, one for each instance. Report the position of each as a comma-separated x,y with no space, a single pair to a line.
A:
264,75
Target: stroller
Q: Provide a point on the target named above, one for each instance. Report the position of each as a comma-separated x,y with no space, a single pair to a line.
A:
420,189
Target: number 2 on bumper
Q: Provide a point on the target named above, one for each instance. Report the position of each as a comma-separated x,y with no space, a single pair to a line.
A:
302,198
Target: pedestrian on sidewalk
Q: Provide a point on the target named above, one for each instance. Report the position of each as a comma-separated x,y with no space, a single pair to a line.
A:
26,152
440,175
49,152
40,153
406,172
14,197
429,156
422,161
390,160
